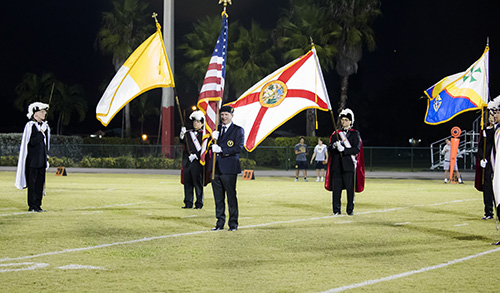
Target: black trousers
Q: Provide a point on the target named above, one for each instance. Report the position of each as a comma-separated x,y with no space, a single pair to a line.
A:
225,185
193,179
488,194
35,178
343,180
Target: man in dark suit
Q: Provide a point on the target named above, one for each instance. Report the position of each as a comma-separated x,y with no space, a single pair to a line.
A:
33,155
230,139
192,169
345,144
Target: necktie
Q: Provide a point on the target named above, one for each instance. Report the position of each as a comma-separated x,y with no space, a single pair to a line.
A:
223,131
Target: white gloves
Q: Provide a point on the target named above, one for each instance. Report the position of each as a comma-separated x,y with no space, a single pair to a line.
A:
216,148
483,163
192,157
339,146
183,132
44,126
215,135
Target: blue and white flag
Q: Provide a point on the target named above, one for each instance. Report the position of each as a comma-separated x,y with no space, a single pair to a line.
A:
458,93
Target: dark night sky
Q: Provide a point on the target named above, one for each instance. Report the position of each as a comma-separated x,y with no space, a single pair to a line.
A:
418,43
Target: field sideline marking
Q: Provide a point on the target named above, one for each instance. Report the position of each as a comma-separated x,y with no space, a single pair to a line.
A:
409,273
188,234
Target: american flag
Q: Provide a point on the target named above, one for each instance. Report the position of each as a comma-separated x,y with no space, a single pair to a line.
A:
213,86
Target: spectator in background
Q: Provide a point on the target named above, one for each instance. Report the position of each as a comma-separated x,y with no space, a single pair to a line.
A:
321,156
301,159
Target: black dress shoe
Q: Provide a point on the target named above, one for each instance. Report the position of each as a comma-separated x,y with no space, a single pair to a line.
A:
217,229
187,207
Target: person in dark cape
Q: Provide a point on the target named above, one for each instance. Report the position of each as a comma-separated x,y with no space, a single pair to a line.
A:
484,167
33,155
192,171
346,166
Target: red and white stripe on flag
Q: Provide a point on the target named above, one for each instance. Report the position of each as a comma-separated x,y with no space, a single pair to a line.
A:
271,102
213,86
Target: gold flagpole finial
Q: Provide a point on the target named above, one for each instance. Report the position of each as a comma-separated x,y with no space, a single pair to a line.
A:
225,3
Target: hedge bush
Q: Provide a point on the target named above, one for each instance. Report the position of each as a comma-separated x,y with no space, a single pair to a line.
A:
247,164
8,160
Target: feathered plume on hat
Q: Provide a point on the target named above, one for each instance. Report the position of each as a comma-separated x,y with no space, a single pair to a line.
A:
197,115
35,107
494,104
348,114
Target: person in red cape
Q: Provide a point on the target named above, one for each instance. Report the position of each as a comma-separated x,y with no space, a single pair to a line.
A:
346,164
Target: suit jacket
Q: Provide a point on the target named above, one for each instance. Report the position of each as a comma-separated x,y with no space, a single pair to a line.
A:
231,143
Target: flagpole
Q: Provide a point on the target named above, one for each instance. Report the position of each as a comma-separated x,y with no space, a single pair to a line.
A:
218,106
182,119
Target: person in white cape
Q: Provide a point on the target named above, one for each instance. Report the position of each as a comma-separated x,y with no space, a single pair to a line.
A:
33,155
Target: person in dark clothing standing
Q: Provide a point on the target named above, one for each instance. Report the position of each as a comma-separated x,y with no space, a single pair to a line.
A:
192,169
230,139
485,154
345,144
33,155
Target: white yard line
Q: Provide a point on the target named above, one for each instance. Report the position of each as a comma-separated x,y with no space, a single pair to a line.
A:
189,233
409,273
32,266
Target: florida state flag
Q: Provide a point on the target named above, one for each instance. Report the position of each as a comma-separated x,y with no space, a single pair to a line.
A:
263,108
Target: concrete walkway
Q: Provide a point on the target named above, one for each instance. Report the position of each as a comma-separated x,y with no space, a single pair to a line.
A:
423,175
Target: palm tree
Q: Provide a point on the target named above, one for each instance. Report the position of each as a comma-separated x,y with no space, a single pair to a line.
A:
249,56
34,88
63,100
143,106
66,100
355,17
122,31
254,58
303,22
198,47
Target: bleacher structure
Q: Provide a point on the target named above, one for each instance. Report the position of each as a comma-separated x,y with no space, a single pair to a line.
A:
467,149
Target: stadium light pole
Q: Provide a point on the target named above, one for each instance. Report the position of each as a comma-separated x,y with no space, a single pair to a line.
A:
167,101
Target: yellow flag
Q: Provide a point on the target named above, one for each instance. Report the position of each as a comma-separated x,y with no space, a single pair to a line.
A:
147,68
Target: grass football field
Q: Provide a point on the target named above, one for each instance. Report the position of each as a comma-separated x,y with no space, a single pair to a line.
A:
127,233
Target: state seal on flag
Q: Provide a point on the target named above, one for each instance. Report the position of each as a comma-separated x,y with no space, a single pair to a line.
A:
272,93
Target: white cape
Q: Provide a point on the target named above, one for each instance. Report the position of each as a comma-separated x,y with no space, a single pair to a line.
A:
23,153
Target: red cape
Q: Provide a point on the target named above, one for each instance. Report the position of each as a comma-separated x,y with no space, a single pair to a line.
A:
360,171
